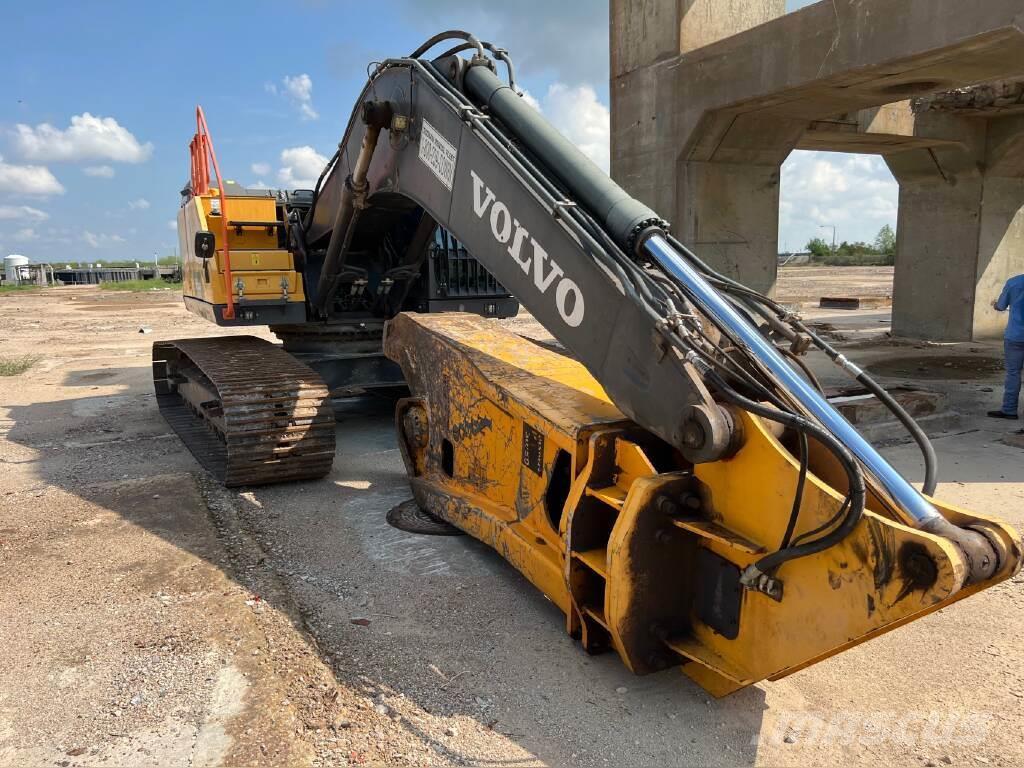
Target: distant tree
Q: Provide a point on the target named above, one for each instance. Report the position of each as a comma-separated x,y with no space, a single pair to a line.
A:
819,249
885,244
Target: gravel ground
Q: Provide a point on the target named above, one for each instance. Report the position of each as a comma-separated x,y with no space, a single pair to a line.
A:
151,617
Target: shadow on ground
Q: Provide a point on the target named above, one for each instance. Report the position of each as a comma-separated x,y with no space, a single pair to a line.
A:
444,628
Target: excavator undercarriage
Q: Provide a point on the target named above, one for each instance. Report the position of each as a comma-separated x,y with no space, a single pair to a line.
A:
247,411
668,474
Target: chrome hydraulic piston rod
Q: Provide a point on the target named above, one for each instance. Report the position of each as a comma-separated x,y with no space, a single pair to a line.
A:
915,509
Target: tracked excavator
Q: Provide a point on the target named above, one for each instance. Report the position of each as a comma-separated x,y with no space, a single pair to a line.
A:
669,476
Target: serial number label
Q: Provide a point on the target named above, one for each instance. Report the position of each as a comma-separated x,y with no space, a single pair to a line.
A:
533,449
438,154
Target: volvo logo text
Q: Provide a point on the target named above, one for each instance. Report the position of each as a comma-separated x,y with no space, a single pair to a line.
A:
533,259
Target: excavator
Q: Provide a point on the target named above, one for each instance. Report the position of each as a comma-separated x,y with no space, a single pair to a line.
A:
666,473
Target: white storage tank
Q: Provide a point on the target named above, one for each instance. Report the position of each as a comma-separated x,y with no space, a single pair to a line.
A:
15,268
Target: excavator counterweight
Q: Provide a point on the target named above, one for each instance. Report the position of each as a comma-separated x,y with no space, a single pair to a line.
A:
665,474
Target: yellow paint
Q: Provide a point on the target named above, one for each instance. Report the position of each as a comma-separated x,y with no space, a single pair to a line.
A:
258,265
621,567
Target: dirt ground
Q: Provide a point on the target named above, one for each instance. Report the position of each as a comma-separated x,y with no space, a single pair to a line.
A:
810,283
150,617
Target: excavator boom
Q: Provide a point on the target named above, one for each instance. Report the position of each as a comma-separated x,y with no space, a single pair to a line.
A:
667,477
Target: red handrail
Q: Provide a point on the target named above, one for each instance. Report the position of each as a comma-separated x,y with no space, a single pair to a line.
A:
202,154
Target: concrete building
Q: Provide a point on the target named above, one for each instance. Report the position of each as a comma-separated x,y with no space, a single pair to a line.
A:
709,97
94,275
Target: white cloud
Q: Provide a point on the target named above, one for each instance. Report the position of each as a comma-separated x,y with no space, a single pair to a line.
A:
89,137
173,224
579,28
580,117
855,193
99,171
300,167
25,234
299,89
28,180
260,169
94,240
22,213
530,99
139,204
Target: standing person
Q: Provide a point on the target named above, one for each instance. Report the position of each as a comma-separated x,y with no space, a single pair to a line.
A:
1012,298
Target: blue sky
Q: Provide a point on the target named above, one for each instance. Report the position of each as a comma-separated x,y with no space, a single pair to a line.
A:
96,108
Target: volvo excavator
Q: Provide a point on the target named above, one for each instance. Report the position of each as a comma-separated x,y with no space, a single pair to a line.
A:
667,474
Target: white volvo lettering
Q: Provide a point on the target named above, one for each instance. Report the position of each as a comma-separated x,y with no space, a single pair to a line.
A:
535,260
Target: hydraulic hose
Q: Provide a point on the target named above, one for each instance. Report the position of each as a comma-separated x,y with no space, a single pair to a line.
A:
931,461
760,575
981,556
499,53
451,34
913,508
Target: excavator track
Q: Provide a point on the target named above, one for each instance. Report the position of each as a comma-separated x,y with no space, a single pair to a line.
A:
250,413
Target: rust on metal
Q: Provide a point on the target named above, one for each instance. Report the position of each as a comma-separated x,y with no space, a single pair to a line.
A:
250,413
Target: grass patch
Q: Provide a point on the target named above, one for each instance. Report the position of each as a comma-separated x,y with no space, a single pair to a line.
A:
141,285
16,288
12,366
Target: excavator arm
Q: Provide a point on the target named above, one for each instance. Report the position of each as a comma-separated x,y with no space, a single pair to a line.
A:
669,479
451,160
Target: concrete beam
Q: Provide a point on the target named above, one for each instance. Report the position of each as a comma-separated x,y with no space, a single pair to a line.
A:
961,225
645,33
700,135
827,59
873,131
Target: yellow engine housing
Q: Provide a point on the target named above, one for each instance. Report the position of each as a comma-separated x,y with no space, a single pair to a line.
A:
265,286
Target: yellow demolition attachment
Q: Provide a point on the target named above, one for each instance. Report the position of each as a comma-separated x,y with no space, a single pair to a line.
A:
520,447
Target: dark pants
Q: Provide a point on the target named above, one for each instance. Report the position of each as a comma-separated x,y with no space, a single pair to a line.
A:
1014,353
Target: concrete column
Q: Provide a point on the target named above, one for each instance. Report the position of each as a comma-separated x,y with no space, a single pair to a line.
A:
725,204
729,215
703,22
647,31
961,227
